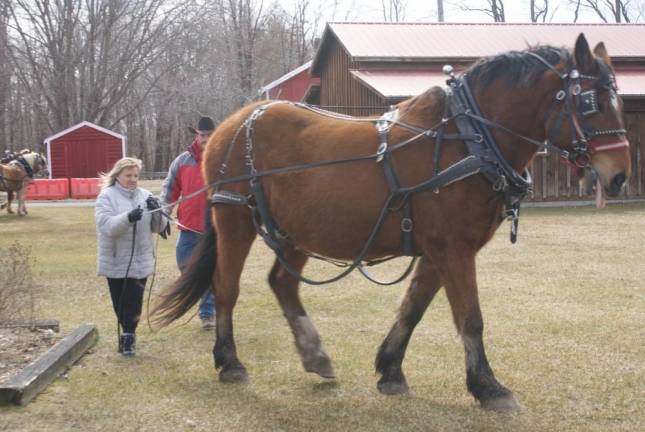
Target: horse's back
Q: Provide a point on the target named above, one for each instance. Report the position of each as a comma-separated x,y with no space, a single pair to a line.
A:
347,196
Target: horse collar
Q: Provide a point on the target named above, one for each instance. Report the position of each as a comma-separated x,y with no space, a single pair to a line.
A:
25,165
498,171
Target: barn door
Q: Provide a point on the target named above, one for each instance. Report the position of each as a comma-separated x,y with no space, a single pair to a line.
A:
78,159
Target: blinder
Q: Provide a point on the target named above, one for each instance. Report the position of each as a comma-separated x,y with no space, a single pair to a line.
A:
588,103
580,105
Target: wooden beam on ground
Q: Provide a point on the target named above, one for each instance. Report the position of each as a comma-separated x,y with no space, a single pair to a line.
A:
40,324
22,387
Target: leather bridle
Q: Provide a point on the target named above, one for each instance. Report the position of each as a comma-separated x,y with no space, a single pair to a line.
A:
577,107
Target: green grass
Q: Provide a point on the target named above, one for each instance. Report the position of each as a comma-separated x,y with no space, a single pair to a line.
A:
564,311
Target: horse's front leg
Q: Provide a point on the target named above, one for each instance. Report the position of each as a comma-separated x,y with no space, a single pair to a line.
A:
308,343
424,286
458,272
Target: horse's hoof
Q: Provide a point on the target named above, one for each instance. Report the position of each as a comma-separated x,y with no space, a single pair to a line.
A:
501,404
393,387
321,365
235,375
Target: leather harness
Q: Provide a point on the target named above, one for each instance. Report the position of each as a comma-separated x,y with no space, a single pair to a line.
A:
24,165
485,157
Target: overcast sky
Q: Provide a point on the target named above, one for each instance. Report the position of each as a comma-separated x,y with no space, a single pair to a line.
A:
425,10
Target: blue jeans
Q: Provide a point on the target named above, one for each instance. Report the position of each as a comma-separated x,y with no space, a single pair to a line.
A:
185,244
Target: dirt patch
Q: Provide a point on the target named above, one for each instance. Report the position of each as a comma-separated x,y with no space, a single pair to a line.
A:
21,346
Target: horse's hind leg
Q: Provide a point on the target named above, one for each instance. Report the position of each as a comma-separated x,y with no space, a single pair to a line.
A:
285,287
461,289
9,199
422,289
22,208
235,234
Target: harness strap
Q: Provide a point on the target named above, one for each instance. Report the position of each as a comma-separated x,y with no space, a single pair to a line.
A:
384,156
504,179
25,165
270,233
228,197
441,133
275,240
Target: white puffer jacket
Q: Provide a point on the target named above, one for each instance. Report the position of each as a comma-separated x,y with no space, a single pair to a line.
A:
114,233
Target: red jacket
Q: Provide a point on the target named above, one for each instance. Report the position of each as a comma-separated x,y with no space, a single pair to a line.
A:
184,178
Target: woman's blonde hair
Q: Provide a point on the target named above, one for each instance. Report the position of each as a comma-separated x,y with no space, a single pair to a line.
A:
109,179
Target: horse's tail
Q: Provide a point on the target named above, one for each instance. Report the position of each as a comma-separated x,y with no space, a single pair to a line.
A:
195,280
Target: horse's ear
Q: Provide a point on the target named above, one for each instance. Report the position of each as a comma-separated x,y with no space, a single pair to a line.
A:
582,52
601,52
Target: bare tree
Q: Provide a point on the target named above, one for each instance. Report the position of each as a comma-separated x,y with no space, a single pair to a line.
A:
5,78
612,10
295,31
393,10
85,57
493,8
576,9
539,10
242,22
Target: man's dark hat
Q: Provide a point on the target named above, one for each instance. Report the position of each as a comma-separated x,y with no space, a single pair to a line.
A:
205,124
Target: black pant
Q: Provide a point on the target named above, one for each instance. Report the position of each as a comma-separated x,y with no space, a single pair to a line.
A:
127,302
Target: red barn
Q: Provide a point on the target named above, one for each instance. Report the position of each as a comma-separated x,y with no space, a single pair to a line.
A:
297,85
83,151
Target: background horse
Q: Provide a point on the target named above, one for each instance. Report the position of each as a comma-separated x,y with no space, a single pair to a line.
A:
330,210
16,175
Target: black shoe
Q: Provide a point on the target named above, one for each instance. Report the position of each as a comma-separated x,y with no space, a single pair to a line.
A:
128,344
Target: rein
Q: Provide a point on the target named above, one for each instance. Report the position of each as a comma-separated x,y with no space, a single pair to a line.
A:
398,198
485,157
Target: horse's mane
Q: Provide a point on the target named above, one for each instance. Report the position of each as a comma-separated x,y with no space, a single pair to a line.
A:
516,67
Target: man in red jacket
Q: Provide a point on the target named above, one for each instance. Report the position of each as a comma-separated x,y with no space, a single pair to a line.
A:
184,178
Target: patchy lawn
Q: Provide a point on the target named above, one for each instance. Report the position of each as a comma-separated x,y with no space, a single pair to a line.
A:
564,311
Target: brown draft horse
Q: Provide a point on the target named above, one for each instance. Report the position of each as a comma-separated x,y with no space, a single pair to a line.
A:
16,175
544,96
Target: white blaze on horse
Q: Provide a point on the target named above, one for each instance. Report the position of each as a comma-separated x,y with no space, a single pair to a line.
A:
16,175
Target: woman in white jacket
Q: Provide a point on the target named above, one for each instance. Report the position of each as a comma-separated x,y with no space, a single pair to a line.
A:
125,243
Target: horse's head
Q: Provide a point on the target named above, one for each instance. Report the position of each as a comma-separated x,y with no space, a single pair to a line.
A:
589,125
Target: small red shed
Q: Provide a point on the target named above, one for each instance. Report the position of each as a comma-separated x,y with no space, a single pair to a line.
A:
83,151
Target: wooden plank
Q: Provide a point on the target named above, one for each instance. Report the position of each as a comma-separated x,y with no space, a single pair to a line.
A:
21,388
41,324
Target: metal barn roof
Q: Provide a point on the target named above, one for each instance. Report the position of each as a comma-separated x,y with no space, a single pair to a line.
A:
439,41
80,125
400,84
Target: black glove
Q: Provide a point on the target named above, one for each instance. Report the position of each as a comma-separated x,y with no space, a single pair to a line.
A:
152,203
135,215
